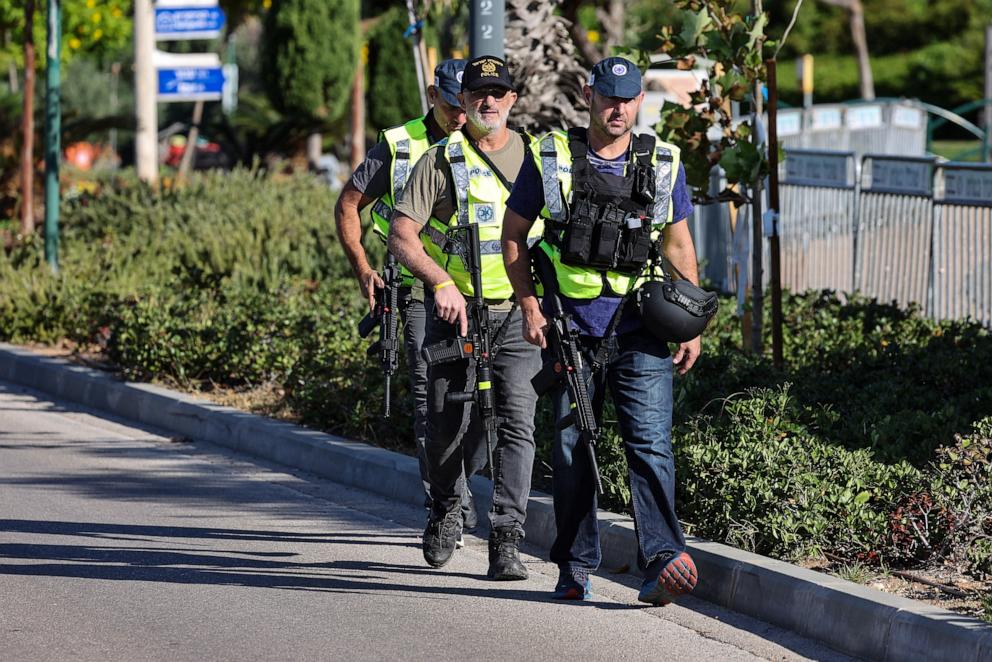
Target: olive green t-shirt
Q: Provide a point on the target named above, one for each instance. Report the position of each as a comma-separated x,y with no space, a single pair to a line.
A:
429,191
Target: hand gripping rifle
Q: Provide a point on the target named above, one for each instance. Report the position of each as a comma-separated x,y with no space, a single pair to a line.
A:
566,366
385,315
479,345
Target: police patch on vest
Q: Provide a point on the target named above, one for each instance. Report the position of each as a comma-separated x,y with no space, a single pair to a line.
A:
484,212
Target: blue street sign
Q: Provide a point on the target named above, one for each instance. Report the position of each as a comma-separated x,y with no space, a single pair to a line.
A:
190,83
172,23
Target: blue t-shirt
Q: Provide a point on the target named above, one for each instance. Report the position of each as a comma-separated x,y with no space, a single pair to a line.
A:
591,316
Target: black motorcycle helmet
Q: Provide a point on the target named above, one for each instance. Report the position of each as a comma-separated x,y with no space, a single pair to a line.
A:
675,310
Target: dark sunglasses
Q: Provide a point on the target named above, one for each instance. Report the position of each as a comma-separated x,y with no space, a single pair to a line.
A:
494,92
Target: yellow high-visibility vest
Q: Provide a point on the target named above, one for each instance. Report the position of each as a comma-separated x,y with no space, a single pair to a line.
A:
480,197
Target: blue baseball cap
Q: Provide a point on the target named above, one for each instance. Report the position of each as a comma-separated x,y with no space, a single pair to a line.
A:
616,77
448,80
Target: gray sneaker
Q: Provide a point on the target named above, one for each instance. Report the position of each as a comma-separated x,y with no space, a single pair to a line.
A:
441,537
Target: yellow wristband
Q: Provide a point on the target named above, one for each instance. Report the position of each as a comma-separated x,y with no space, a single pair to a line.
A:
440,286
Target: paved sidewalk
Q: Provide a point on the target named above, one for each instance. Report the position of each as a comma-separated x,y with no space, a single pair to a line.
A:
117,543
855,619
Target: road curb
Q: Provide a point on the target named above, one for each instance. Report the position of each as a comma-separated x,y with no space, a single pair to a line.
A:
851,618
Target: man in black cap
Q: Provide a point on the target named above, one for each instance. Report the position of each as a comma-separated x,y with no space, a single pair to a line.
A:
466,180
613,205
378,180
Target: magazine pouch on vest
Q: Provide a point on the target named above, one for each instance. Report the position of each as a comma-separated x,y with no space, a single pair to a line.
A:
607,225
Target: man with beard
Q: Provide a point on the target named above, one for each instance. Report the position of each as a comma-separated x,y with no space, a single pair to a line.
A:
378,181
467,179
607,198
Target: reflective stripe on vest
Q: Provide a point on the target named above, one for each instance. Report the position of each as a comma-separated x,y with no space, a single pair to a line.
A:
556,174
407,143
479,197
549,177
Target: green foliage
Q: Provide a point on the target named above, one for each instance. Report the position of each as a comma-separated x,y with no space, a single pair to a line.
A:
872,443
309,55
88,28
393,96
733,43
762,476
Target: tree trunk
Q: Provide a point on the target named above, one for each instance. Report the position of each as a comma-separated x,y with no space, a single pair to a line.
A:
856,17
542,61
860,39
358,116
613,19
314,148
27,125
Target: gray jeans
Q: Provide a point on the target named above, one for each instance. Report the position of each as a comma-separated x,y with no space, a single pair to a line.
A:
414,316
454,433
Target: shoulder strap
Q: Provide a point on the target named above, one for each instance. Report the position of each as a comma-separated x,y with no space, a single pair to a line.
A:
643,144
459,174
578,145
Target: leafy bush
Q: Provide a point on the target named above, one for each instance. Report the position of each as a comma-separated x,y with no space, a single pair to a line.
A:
759,476
872,442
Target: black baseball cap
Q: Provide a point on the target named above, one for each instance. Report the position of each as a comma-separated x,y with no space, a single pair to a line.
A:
448,80
486,71
616,77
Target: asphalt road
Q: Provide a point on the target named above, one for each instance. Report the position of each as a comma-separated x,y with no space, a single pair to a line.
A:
117,543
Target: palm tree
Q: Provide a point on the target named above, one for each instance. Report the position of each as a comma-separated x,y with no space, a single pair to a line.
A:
545,66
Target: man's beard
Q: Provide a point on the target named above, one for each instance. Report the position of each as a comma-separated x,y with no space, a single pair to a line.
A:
485,124
615,131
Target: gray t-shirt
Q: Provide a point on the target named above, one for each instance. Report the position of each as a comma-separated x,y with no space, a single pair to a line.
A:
430,190
371,177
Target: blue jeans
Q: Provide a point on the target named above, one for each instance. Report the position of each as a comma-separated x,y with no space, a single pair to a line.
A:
455,438
639,376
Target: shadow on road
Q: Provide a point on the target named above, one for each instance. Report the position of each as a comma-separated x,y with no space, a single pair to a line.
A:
256,569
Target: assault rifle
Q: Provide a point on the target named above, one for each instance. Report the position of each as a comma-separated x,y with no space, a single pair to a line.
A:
463,240
384,314
566,366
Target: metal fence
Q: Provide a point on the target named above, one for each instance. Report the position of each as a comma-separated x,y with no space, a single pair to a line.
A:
817,231
894,221
901,229
961,272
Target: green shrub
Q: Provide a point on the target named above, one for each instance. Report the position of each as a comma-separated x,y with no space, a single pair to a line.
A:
759,476
872,441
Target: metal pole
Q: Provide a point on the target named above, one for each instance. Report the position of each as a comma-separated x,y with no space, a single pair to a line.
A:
487,18
773,205
53,128
417,59
27,125
145,92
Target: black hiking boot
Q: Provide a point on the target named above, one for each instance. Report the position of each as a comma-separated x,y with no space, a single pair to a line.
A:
504,555
441,537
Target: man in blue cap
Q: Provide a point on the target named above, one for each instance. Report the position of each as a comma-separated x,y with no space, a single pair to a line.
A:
613,204
378,181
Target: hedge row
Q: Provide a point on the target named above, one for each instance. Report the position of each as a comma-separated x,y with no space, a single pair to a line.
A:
869,444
